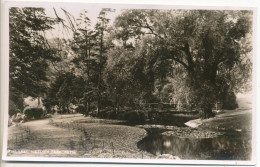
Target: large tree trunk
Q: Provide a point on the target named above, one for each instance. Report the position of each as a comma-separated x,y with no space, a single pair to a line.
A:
205,96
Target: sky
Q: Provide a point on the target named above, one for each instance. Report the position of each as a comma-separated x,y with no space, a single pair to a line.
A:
75,10
93,10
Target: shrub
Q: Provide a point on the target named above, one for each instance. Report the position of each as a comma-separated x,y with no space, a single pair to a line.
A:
35,113
14,112
81,109
132,116
135,116
112,114
203,115
59,111
108,112
230,102
141,116
18,117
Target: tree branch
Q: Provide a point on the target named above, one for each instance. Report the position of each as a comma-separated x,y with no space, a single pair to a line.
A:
147,26
176,60
181,62
186,50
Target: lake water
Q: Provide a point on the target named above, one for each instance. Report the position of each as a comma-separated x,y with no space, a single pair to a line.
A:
230,146
233,145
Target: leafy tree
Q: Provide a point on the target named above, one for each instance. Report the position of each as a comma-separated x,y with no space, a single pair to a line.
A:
64,91
29,52
101,29
84,58
120,84
90,48
209,46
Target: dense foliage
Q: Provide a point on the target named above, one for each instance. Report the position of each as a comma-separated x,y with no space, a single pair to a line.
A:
29,54
33,113
191,58
207,49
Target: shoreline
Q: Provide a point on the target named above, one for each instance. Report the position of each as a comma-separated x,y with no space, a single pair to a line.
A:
87,137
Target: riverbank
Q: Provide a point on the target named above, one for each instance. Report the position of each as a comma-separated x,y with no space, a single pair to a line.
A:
238,120
74,135
84,137
226,137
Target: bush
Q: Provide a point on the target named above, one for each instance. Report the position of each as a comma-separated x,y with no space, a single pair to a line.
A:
204,115
132,116
111,114
81,109
14,112
35,113
18,118
230,101
135,116
141,116
108,112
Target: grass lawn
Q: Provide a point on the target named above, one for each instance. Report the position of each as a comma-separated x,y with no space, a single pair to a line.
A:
76,136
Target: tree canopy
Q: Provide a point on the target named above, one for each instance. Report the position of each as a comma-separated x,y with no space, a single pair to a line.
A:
194,58
207,46
29,52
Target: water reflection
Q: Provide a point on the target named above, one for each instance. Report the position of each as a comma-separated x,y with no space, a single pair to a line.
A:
226,147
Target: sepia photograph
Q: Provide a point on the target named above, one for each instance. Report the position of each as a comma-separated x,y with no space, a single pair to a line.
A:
129,83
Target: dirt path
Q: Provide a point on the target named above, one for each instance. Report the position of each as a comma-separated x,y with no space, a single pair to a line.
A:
43,140
62,136
78,136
